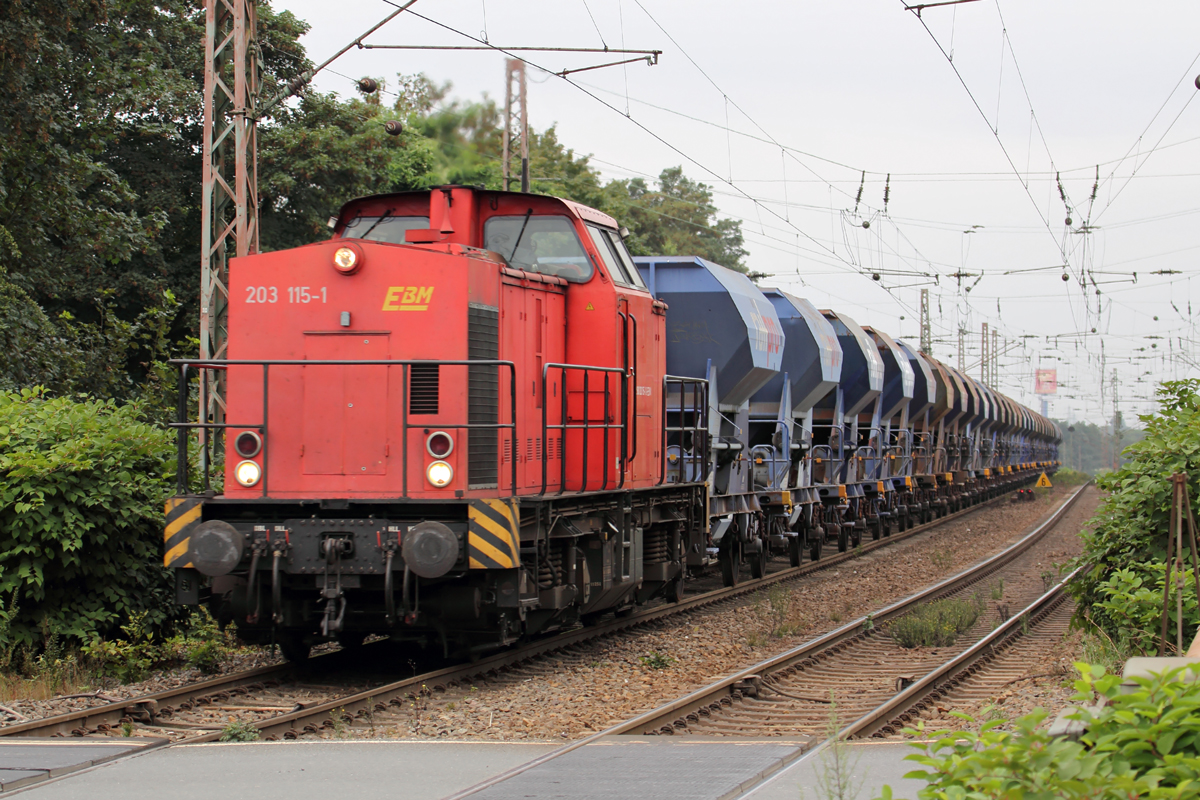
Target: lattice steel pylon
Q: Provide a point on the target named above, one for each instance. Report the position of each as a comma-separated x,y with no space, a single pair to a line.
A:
985,358
229,214
926,324
516,123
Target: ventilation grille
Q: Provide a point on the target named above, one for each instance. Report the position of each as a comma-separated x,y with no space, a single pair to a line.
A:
483,393
423,389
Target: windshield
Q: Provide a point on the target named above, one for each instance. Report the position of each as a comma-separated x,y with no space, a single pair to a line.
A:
544,244
383,228
616,257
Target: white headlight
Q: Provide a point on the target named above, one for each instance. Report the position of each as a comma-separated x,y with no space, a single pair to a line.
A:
439,473
247,473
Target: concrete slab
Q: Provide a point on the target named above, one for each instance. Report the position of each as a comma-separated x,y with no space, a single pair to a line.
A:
708,769
872,765
364,770
26,761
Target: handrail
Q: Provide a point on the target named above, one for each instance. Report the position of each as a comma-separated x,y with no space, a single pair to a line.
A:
586,427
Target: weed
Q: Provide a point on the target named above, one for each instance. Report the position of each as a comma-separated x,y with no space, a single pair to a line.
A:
1049,578
992,712
127,729
858,551
936,624
835,617
657,660
340,721
998,590
756,638
869,623
1098,648
835,771
239,731
941,559
450,706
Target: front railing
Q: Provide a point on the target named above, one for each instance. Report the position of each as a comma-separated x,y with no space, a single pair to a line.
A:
182,426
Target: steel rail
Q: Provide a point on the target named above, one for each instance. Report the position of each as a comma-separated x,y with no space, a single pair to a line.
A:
727,688
82,722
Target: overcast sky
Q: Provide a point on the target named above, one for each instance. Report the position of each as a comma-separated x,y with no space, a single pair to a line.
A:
781,106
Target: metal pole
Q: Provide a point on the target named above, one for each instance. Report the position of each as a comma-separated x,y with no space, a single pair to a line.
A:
1178,481
984,358
524,132
229,195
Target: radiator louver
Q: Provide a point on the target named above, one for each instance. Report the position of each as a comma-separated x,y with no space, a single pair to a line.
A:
483,395
423,389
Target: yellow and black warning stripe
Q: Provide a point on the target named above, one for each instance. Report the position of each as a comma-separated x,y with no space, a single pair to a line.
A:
493,534
183,514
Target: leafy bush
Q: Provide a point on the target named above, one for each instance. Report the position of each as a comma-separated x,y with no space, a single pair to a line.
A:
81,489
239,731
1143,744
936,624
1129,530
1131,601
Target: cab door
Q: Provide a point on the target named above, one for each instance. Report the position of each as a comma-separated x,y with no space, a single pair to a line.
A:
640,349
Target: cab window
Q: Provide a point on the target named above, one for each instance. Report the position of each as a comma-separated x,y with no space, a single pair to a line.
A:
622,252
383,228
545,244
604,248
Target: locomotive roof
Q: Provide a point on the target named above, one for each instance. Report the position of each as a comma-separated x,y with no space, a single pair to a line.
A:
585,213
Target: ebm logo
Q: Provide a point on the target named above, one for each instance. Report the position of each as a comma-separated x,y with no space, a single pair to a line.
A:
407,298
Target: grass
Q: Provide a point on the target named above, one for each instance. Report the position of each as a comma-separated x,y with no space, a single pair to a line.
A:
657,660
936,624
998,590
941,559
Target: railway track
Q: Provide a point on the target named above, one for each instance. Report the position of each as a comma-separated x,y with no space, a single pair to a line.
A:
858,663
265,697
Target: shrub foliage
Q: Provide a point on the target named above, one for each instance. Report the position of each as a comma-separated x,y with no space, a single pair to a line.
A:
1144,743
1126,548
81,489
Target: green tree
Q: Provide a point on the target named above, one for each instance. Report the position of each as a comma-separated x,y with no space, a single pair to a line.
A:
324,152
679,218
1130,529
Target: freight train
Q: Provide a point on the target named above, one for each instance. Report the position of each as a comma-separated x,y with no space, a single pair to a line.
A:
471,417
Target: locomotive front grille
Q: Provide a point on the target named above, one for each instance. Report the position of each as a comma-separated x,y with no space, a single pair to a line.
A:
483,396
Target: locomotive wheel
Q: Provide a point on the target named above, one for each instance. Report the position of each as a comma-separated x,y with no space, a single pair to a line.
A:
758,563
293,646
856,536
887,529
815,543
674,592
794,547
731,565
877,529
843,538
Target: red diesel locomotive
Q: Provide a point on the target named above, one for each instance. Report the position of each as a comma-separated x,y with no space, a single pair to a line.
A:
446,423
